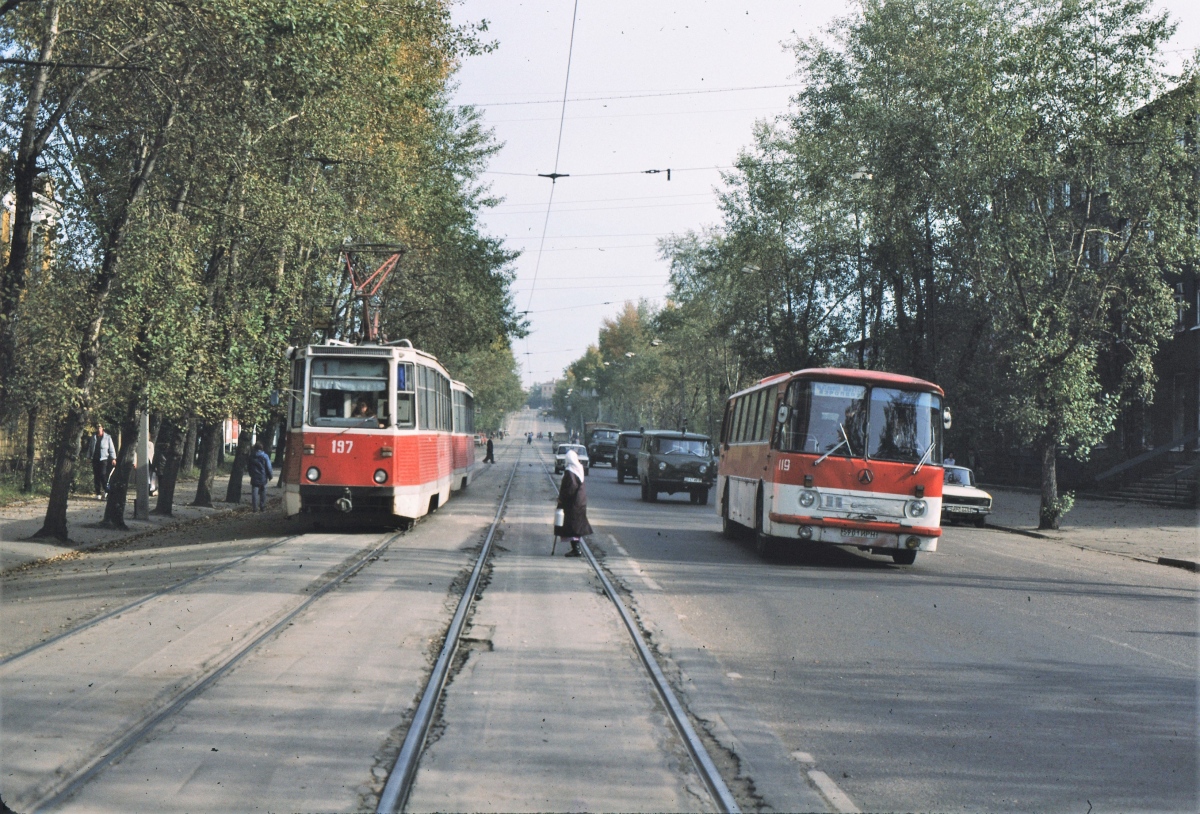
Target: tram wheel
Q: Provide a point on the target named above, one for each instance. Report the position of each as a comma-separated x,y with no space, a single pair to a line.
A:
904,557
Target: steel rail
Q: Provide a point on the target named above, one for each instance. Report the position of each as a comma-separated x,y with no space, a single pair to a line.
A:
135,736
141,601
404,771
720,792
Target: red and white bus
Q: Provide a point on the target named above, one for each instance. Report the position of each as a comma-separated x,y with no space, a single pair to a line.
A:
828,455
375,429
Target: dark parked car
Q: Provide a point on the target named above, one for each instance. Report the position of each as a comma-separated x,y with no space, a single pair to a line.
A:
673,462
628,444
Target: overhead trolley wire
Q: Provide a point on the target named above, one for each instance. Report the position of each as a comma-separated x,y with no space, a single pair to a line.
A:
648,95
554,176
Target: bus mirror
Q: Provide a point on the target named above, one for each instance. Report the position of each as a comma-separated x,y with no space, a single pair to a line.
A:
274,398
782,415
946,418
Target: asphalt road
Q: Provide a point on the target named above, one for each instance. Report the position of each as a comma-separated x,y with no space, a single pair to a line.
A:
999,674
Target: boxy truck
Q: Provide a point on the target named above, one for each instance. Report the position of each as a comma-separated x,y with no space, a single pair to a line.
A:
600,439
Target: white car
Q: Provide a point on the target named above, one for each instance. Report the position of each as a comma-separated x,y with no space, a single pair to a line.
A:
962,499
560,457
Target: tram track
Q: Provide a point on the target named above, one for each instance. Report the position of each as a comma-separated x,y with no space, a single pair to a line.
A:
112,614
703,762
69,781
403,775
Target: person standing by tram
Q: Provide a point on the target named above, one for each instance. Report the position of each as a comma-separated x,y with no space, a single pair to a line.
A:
490,457
572,499
259,468
103,454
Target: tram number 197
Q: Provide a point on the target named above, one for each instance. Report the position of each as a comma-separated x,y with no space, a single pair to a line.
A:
342,446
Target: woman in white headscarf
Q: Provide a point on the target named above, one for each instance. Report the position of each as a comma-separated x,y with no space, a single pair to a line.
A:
572,499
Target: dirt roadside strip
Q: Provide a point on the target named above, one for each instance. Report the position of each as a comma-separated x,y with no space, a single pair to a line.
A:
1138,531
1154,534
19,522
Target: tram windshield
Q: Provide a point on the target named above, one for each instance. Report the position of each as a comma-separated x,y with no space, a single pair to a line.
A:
348,393
847,420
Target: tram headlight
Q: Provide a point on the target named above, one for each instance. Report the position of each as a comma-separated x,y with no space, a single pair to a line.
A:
808,498
380,476
313,474
916,508
805,533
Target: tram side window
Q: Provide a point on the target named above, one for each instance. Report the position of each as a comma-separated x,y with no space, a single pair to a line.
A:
425,399
296,394
348,393
405,396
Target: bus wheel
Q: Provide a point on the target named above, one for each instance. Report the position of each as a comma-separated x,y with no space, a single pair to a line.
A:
764,544
728,527
904,557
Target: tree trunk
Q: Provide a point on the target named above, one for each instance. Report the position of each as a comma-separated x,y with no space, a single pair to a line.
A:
233,492
30,450
118,484
98,293
187,461
1049,512
210,445
65,454
169,451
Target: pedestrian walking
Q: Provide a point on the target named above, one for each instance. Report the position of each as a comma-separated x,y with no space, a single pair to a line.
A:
572,499
490,457
259,467
103,454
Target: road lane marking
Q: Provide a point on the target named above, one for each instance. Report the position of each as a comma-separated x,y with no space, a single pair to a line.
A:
803,757
836,797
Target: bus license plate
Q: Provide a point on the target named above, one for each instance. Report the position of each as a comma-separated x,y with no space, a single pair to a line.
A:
691,480
860,533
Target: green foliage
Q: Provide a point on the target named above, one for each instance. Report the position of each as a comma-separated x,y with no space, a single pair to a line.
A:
988,194
202,199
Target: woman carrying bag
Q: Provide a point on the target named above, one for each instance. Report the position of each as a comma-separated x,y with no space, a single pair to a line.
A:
572,501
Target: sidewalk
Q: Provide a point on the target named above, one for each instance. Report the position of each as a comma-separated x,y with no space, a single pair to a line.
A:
21,521
1124,528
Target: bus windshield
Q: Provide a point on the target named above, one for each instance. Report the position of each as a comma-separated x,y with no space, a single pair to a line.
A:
348,393
845,420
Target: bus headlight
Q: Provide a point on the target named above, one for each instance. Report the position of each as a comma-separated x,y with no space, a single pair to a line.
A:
313,474
916,508
808,499
380,476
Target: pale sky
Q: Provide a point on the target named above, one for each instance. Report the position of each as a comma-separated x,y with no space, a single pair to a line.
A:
605,219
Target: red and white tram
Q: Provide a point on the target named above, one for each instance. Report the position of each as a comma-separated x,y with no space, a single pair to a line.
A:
375,429
827,455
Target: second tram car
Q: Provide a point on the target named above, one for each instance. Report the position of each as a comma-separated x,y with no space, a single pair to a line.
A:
375,429
829,455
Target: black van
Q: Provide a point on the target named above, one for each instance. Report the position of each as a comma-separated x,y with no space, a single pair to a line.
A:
628,444
676,462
